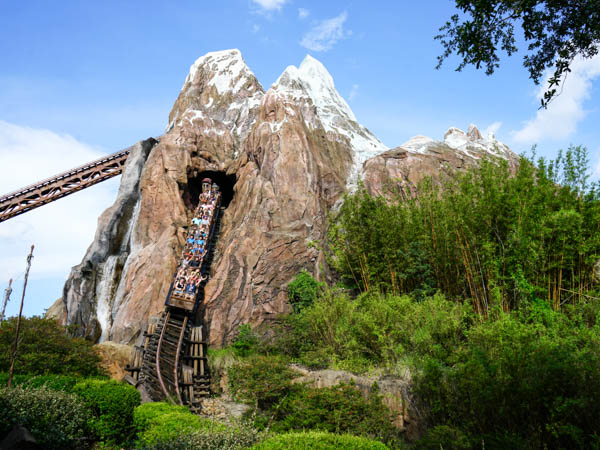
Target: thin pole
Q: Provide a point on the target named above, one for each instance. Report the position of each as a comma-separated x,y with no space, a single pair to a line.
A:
7,293
16,343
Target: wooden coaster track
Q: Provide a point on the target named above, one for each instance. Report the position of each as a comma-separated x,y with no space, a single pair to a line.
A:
171,363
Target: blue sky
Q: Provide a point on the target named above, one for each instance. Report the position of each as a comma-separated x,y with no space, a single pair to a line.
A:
79,79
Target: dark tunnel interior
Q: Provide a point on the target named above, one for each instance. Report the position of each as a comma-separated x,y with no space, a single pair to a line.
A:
194,187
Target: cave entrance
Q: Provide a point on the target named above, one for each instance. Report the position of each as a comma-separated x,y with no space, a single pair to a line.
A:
194,187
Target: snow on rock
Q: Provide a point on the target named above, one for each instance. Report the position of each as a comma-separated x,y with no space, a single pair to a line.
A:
311,81
230,70
220,93
417,144
471,143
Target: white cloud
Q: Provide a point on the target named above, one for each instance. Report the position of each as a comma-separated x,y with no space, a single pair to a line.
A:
270,5
255,28
325,34
61,231
303,13
353,92
560,120
492,129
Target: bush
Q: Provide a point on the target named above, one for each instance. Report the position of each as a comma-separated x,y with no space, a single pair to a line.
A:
164,428
46,348
245,342
338,409
443,437
318,441
260,380
303,290
232,439
112,404
372,330
144,414
56,419
540,373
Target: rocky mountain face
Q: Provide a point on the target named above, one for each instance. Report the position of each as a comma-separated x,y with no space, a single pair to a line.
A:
284,158
419,157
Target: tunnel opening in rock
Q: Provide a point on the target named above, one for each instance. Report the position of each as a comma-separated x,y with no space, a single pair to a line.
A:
194,186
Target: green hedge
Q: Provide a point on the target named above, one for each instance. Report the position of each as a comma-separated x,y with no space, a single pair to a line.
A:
337,409
56,419
144,414
318,440
112,404
232,439
161,423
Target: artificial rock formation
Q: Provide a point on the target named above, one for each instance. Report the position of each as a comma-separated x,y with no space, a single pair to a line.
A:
286,157
403,167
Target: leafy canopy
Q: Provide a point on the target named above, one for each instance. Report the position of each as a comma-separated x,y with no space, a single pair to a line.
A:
45,348
556,31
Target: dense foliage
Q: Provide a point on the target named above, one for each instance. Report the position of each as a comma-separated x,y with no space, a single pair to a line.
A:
158,425
372,330
112,404
260,380
45,347
231,439
245,342
303,291
337,409
486,234
556,31
55,419
539,371
279,405
318,441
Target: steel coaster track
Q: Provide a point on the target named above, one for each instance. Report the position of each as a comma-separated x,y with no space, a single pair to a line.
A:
61,185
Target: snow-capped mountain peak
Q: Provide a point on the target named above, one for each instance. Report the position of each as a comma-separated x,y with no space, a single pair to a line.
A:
229,71
312,81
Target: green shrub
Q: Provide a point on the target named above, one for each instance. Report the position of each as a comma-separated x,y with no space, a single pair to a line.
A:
372,330
112,404
63,383
303,290
540,373
144,414
245,342
17,380
170,425
232,439
318,441
56,419
338,409
260,380
46,348
443,437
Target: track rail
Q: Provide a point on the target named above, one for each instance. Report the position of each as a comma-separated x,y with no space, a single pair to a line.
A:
61,185
169,350
160,341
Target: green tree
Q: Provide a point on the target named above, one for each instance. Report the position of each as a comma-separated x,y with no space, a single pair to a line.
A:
45,347
556,31
303,290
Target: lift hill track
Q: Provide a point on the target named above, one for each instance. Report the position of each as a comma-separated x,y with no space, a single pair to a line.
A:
171,362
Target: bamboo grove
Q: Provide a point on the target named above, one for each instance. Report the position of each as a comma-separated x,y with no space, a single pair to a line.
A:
493,234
